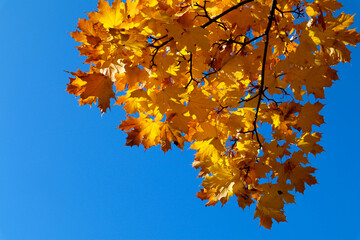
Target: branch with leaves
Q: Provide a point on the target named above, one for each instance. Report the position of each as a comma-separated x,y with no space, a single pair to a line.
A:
211,74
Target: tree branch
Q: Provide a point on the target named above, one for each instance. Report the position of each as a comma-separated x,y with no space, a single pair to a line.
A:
157,48
190,71
262,83
212,20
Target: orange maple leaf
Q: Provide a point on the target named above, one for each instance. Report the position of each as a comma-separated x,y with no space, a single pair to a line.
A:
92,87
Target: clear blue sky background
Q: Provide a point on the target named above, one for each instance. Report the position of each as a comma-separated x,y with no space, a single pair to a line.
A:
66,175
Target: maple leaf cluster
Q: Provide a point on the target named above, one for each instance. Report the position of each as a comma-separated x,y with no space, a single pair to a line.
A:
241,81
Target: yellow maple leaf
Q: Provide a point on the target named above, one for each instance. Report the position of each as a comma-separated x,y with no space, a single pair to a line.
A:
309,115
110,16
267,214
210,149
193,37
308,143
169,134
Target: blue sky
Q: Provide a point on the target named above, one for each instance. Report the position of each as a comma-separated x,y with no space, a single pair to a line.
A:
65,173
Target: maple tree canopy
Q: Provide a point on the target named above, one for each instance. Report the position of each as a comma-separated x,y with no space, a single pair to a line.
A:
215,73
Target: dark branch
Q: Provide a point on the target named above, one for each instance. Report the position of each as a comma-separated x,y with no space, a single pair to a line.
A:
244,44
157,48
218,111
190,72
262,83
299,11
212,20
249,99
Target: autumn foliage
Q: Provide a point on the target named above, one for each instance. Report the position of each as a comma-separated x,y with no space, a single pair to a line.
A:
241,81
